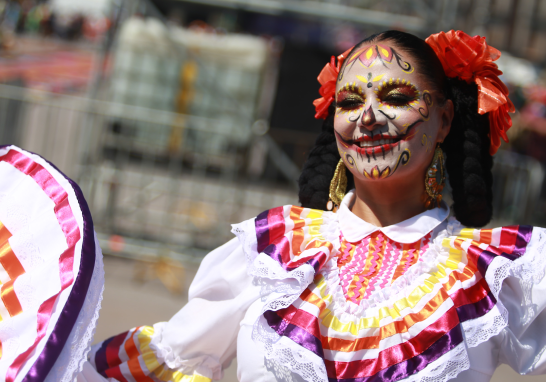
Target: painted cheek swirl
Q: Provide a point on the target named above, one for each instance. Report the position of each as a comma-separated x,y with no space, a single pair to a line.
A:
349,160
425,111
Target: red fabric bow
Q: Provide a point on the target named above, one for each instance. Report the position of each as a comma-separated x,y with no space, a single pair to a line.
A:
327,79
471,59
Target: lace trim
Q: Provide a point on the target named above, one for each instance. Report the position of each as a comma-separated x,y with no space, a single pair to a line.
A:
77,347
289,354
529,269
444,368
279,287
203,365
246,233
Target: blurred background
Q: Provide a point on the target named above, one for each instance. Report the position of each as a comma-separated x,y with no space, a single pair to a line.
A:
180,117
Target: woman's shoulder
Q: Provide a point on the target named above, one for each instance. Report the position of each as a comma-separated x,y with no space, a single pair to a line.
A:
289,235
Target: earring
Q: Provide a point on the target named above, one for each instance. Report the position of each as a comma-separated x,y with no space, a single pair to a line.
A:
338,187
435,180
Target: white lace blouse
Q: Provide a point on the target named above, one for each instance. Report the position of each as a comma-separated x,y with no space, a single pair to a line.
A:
308,295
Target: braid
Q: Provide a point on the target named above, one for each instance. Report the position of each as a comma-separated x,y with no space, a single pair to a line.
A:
320,166
468,161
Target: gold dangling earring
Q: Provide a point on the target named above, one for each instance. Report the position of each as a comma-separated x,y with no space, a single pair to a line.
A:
435,180
338,187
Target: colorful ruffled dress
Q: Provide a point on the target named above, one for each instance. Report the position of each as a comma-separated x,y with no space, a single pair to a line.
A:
309,295
51,272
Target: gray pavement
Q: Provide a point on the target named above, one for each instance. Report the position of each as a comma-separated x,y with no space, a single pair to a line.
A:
128,303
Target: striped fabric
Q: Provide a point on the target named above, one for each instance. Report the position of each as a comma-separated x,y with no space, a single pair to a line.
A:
388,341
10,269
128,357
287,233
397,338
47,258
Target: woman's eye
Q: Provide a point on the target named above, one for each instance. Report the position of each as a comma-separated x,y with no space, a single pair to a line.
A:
350,103
396,95
397,100
350,97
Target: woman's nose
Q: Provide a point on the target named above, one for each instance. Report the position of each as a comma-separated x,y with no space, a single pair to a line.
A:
370,119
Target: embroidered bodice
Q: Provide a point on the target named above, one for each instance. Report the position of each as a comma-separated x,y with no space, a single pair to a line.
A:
375,262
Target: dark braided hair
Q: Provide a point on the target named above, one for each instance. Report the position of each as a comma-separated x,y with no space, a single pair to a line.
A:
320,166
468,162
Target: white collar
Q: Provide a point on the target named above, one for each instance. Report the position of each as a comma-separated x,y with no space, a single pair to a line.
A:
408,231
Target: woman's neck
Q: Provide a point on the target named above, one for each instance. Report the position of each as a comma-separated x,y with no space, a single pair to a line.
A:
384,203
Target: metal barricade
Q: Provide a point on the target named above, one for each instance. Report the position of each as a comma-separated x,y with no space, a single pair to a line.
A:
517,184
145,200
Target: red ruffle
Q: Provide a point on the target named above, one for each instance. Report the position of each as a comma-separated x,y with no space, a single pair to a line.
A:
327,78
471,59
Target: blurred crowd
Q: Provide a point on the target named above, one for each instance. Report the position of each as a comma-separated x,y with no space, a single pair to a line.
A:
36,17
254,71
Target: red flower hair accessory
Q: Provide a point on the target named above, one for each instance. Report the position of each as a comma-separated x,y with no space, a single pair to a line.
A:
471,59
327,79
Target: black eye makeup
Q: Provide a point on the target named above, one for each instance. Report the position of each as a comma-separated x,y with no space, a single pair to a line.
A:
397,93
350,97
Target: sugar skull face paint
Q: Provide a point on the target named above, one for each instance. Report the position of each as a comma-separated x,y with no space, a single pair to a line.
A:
384,113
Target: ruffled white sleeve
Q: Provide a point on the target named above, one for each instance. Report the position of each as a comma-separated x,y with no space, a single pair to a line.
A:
522,343
200,340
508,325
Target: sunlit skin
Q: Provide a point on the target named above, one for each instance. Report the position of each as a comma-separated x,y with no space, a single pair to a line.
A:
384,108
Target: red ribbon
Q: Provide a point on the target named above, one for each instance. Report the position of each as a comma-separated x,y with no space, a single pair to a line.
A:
327,78
471,59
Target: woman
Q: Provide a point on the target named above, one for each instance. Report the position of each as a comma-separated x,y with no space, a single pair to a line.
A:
377,283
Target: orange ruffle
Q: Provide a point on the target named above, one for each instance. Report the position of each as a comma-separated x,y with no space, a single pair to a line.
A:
327,78
471,59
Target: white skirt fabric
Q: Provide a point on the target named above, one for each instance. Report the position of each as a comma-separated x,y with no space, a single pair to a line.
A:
50,269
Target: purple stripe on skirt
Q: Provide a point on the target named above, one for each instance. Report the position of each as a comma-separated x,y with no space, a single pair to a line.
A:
415,364
300,336
477,309
524,237
262,230
484,260
63,327
390,374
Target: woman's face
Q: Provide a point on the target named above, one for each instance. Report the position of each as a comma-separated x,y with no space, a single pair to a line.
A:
387,122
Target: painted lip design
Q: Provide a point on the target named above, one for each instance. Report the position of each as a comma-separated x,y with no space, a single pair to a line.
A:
371,145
